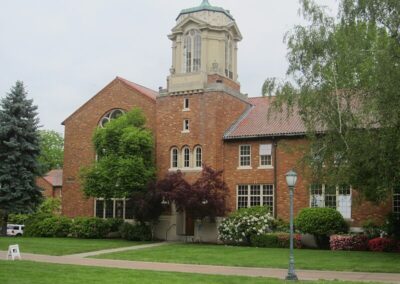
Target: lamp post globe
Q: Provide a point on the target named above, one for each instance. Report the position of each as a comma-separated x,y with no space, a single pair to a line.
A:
291,179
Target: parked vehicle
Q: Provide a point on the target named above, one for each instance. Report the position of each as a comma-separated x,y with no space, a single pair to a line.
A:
15,230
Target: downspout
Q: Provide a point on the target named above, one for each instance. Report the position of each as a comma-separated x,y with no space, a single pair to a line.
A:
275,145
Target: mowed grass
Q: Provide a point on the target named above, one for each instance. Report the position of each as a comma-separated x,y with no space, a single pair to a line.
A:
15,272
61,246
265,257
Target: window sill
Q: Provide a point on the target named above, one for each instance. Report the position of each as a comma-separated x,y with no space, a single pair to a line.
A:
265,167
186,109
185,131
185,169
245,168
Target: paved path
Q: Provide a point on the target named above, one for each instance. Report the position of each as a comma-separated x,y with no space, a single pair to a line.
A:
211,269
98,252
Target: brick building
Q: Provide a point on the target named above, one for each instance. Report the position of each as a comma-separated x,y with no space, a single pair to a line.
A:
202,117
51,184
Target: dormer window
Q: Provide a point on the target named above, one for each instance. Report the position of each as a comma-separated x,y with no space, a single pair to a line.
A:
192,51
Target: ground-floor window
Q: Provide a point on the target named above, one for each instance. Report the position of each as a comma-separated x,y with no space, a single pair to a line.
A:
396,202
337,197
255,195
113,208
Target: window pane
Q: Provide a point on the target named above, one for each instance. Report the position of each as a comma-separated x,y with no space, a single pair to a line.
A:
245,155
266,160
198,157
186,158
317,198
109,208
174,158
100,208
119,209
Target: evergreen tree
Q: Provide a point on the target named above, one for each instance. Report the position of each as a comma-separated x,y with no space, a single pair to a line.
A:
19,149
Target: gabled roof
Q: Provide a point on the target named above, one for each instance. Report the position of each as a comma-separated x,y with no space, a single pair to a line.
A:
257,122
54,177
149,93
205,6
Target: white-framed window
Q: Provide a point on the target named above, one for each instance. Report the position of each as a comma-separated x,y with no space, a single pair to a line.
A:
266,155
244,156
118,208
255,195
186,157
336,197
192,51
228,57
186,104
185,125
174,158
396,202
198,157
113,114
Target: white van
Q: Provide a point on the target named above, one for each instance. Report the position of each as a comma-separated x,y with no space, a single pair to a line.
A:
15,230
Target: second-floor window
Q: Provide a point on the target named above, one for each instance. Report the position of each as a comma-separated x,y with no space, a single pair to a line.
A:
266,155
244,156
192,51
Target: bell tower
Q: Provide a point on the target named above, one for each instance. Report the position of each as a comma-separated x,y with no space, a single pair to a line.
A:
204,42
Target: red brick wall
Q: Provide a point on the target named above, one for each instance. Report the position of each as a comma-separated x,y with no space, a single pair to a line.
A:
47,187
79,128
210,115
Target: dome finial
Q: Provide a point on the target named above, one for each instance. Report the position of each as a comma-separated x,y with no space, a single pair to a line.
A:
205,3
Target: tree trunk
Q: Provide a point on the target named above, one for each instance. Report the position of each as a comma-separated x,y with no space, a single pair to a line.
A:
4,225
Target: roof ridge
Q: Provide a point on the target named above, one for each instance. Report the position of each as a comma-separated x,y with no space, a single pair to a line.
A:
239,120
142,86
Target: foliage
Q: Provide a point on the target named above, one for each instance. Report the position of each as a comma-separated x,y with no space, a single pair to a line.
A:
207,197
269,87
281,226
33,223
114,224
125,162
19,149
349,242
382,245
137,232
55,226
275,240
146,205
51,150
371,229
392,226
239,226
18,218
90,228
50,206
343,75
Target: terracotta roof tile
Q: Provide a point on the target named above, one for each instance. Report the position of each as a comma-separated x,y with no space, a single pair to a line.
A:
257,123
54,177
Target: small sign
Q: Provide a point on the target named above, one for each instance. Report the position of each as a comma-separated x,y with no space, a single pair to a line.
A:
13,252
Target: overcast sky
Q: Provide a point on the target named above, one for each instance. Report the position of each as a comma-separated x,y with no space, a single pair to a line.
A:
66,51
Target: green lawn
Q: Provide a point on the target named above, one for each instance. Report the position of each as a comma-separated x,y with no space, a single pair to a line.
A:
15,272
265,257
61,246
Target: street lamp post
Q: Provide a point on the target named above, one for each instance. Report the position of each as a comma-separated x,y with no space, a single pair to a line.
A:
291,178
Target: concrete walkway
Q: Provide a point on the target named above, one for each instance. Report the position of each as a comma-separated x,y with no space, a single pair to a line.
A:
211,269
98,252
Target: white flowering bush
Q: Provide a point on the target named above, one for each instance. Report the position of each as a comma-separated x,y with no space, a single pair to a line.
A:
239,226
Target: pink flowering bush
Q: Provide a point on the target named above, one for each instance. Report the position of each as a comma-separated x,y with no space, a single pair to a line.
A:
383,244
348,242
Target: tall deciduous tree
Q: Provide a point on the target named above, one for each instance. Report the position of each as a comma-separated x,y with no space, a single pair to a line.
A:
19,149
344,82
125,158
51,150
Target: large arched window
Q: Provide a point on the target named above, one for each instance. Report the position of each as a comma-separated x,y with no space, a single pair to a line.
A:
192,51
174,158
115,113
198,157
229,57
186,157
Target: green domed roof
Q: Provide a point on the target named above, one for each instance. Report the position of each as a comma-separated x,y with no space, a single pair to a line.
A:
205,6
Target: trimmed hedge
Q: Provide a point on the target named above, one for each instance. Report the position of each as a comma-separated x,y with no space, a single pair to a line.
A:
137,232
275,240
45,225
383,245
349,242
90,228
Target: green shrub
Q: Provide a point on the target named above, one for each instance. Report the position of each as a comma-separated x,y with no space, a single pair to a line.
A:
264,241
33,225
56,226
281,226
371,229
137,232
321,222
239,226
114,224
18,218
393,225
90,228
